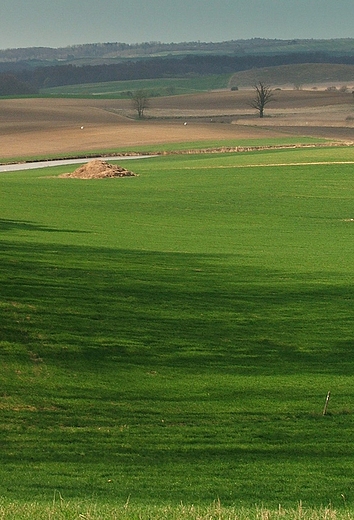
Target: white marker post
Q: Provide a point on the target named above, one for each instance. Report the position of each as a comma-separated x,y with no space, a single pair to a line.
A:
326,403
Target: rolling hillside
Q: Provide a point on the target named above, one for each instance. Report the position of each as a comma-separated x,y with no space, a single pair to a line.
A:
297,75
113,52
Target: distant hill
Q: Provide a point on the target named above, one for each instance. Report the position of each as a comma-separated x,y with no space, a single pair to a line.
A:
100,63
297,75
100,53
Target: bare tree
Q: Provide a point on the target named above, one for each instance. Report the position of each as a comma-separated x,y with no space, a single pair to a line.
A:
263,96
140,101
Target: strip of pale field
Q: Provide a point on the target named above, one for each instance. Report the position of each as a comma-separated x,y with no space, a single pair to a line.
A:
266,165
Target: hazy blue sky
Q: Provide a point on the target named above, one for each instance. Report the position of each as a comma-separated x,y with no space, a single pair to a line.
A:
58,23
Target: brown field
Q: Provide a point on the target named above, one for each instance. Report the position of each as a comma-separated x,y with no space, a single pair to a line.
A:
32,127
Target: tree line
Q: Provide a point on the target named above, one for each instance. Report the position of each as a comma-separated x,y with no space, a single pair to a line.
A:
151,68
10,85
115,50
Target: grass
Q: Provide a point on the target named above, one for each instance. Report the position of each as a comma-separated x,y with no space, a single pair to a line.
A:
61,510
172,337
156,87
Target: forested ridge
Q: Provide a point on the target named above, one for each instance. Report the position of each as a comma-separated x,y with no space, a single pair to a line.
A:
35,78
119,50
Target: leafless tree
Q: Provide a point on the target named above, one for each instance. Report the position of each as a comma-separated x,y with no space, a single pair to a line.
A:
263,96
140,101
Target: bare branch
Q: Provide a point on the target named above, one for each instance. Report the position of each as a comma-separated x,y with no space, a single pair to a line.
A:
140,101
263,96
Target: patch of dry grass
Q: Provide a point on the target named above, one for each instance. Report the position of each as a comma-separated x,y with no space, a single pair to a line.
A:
61,510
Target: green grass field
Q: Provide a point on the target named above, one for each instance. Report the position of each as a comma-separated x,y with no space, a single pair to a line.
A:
171,338
156,87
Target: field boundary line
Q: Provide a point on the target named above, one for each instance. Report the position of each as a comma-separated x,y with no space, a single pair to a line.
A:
271,165
235,149
140,155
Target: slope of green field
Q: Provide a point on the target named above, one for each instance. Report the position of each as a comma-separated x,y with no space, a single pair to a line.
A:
172,337
155,87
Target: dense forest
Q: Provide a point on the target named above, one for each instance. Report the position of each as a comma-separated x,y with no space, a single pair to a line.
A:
10,85
163,67
228,57
97,53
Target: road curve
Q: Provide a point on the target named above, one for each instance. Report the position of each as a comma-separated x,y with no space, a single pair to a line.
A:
63,162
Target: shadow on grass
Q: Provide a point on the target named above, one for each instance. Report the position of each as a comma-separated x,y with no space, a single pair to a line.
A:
122,375
157,309
23,225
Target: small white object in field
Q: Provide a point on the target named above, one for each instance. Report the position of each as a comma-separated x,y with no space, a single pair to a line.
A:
82,128
185,124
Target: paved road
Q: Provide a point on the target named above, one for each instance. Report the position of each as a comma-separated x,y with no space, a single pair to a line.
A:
62,162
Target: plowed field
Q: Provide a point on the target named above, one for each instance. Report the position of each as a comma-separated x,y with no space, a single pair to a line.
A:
31,127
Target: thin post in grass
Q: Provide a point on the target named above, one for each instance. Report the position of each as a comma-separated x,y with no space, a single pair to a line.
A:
326,403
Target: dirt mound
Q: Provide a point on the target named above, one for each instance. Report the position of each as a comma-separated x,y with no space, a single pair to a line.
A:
97,169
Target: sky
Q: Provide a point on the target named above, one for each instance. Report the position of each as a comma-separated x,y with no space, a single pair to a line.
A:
60,23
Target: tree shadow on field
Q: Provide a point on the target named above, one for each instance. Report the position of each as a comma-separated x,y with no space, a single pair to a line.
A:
22,225
97,308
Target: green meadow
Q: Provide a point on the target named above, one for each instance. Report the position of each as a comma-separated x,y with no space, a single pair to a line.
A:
170,338
156,87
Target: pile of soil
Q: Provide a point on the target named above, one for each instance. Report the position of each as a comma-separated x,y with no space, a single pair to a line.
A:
97,169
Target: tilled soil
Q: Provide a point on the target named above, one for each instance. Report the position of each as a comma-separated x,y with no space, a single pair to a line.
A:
47,127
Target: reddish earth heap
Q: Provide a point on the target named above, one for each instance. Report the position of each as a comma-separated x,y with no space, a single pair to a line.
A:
97,169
